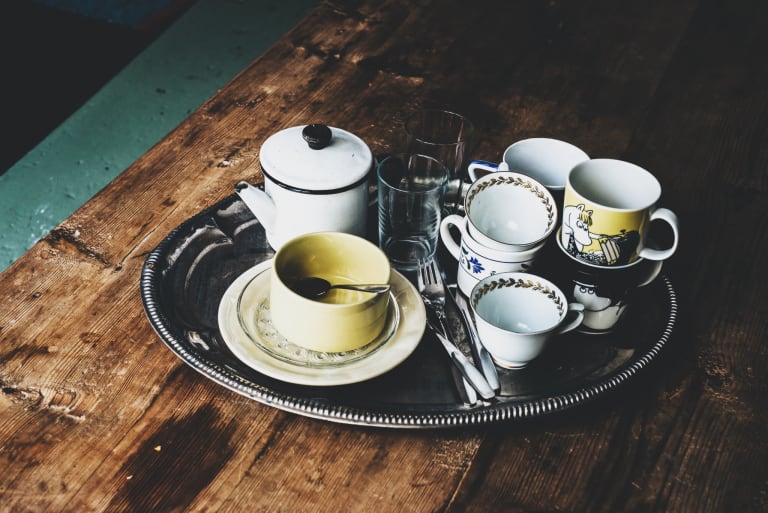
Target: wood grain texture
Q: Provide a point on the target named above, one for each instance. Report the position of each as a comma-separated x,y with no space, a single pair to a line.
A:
97,415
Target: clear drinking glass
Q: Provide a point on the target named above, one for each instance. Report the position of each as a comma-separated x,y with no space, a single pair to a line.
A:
411,196
445,136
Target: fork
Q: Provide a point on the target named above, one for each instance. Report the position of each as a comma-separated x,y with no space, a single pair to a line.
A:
467,392
432,291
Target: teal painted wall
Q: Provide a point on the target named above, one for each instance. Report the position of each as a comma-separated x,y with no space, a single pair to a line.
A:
198,54
121,12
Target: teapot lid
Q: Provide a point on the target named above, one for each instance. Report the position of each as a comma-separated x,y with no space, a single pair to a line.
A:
316,158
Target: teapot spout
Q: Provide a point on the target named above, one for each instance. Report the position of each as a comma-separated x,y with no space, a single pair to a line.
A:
259,203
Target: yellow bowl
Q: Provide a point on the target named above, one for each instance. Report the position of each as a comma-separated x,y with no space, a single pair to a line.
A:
343,320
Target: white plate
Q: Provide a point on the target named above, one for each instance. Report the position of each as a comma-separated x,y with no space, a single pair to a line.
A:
410,329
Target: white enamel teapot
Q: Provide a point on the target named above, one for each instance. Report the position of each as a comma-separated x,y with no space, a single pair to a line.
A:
315,179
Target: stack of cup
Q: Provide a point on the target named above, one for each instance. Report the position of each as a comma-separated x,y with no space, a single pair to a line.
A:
546,160
508,218
606,209
604,250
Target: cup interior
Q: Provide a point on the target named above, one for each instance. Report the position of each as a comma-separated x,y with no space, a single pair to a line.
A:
510,208
519,302
615,184
545,160
342,320
336,257
510,255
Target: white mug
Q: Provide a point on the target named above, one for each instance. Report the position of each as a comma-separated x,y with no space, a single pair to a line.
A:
477,261
546,160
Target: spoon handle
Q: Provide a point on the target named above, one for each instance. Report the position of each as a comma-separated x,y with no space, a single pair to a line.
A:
365,287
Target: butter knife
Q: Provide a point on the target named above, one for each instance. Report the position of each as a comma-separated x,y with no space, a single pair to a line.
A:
467,394
480,353
464,388
469,371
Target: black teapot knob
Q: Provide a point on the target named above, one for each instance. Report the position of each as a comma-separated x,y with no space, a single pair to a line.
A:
317,136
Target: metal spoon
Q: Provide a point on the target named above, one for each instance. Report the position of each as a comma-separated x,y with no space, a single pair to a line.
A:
313,287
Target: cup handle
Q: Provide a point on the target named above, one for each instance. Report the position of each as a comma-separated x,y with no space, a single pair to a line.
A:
480,164
445,233
662,254
576,321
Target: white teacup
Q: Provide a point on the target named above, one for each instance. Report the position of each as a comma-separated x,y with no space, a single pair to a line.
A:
546,160
517,314
509,211
477,261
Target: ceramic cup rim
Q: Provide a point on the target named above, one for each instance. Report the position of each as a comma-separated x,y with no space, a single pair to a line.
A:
548,199
372,249
559,187
630,276
498,255
563,299
606,168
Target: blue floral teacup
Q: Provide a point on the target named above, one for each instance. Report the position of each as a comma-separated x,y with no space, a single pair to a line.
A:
477,261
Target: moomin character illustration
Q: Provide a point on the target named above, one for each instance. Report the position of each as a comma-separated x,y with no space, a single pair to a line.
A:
601,311
576,237
575,231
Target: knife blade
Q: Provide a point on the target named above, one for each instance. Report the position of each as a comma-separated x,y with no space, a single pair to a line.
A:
466,391
479,352
464,388
469,371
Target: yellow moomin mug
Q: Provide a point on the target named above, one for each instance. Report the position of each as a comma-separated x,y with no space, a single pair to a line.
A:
607,211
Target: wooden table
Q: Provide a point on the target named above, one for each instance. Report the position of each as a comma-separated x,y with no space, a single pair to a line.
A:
96,414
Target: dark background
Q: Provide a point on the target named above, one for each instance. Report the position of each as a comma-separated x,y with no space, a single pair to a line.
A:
55,58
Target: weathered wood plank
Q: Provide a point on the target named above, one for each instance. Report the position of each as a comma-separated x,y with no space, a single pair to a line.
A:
97,415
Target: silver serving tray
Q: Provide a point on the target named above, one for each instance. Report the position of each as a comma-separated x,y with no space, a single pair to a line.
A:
184,278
